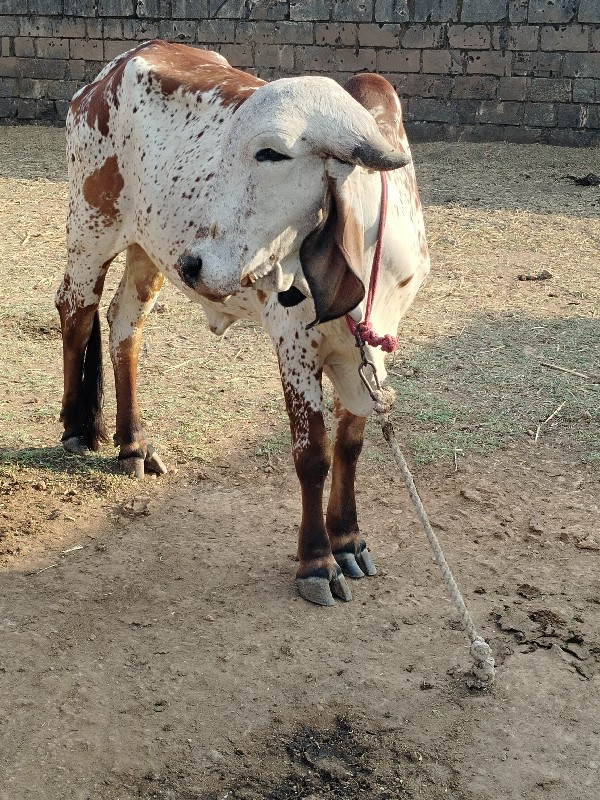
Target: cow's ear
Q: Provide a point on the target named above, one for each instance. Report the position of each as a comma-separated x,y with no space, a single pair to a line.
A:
332,254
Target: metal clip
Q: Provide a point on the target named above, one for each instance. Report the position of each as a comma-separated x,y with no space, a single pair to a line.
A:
364,363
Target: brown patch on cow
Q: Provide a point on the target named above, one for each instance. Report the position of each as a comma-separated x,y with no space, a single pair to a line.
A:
102,188
178,66
378,95
405,282
262,296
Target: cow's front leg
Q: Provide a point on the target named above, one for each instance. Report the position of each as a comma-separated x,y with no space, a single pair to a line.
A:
319,576
348,546
127,313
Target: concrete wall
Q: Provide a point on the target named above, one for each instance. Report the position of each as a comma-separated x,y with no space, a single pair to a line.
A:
523,70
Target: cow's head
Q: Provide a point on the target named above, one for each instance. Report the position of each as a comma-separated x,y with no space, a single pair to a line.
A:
282,211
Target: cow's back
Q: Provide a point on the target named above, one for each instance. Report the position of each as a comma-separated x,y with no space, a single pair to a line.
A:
142,142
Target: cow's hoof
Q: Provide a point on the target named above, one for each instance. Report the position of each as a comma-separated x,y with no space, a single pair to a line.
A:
153,462
320,590
77,446
133,466
356,565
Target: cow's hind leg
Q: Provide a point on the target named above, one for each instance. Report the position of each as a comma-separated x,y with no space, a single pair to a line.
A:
127,314
77,302
348,546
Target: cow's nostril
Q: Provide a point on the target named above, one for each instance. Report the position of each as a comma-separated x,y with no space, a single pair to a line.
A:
190,269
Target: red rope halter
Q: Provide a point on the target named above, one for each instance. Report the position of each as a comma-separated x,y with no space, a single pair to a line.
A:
388,343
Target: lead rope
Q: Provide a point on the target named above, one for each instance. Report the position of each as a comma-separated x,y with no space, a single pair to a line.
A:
483,670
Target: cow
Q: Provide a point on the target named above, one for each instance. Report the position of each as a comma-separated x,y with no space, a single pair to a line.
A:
261,201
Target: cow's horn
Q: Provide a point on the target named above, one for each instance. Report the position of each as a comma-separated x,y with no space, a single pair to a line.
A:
372,157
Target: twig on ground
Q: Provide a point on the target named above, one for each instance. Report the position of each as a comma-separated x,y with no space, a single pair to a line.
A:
565,369
457,450
72,549
553,414
181,364
43,569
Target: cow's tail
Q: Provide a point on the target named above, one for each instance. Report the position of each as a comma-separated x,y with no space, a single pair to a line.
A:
93,428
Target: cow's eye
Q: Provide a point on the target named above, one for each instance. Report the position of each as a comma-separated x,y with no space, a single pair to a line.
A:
267,154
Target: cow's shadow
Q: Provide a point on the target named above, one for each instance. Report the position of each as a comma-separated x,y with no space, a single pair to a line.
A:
57,460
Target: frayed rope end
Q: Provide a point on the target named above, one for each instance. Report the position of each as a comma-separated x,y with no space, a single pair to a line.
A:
483,671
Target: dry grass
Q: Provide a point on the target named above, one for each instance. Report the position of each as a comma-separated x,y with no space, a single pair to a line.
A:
468,374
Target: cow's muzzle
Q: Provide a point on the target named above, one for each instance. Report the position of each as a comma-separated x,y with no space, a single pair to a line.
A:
190,268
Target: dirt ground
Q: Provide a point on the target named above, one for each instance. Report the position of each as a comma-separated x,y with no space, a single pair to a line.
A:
152,641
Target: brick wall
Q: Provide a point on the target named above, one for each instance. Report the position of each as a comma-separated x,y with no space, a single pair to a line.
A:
521,70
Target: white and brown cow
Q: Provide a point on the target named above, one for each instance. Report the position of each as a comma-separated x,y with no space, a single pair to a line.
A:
260,201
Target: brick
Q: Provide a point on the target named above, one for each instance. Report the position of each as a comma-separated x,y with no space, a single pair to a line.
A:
238,55
275,56
512,88
483,10
411,85
435,11
8,87
355,60
89,50
423,36
557,11
49,69
472,37
62,109
391,11
35,26
489,63
177,30
571,138
586,90
31,88
80,8
9,67
155,9
549,89
475,87
582,65
116,8
140,29
442,61
60,90
339,35
68,28
379,35
591,117
565,37
596,39
11,6
431,110
352,10
112,49
516,37
570,115
76,69
315,59
92,68
8,108
548,65
52,48
112,29
517,10
26,109
10,26
490,111
189,9
398,60
268,9
589,11
211,31
94,28
540,114
46,7
24,47
309,10
5,48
